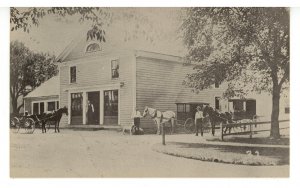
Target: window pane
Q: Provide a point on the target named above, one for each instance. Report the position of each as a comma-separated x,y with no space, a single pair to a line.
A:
217,103
180,107
73,74
51,106
187,108
35,108
111,103
42,107
115,68
76,104
57,104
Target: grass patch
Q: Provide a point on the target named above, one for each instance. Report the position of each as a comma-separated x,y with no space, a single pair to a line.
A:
226,153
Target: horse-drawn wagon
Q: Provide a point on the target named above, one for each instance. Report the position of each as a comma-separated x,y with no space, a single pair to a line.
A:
186,116
30,122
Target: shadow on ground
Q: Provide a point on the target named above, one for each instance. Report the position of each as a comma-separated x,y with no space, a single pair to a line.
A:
260,140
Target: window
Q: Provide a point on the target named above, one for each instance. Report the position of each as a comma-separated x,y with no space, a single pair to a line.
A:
111,103
42,109
38,108
183,108
73,74
57,104
287,110
51,106
180,107
93,47
35,108
217,103
76,104
115,68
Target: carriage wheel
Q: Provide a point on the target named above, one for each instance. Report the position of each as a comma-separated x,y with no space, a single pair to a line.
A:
206,125
15,124
29,125
189,125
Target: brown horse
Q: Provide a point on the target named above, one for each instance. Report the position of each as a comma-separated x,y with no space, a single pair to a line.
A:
52,118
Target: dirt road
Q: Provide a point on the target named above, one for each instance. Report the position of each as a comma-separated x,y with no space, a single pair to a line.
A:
110,154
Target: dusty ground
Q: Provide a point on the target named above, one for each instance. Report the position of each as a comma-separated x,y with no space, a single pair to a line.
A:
110,154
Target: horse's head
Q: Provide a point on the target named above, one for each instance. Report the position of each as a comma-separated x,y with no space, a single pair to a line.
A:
65,110
145,111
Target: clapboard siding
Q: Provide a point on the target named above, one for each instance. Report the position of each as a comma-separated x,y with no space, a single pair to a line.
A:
159,85
96,72
63,98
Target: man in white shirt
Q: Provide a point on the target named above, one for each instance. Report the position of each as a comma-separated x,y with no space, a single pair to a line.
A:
199,120
136,116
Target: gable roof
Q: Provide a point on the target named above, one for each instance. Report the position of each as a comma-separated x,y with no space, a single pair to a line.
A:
48,88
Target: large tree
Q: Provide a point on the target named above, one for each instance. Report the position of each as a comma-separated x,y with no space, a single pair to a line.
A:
246,47
27,69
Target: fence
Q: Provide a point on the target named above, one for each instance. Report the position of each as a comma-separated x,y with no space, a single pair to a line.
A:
238,125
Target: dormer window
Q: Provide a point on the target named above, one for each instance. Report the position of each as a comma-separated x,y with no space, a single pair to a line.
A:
93,47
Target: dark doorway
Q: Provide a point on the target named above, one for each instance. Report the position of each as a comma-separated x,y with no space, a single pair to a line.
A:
94,118
251,107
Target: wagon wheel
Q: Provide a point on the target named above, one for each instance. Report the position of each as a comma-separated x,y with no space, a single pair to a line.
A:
15,124
206,125
29,125
189,125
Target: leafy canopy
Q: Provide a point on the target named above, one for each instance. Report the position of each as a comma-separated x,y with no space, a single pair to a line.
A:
246,47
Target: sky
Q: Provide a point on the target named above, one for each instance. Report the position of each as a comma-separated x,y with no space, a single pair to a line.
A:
160,25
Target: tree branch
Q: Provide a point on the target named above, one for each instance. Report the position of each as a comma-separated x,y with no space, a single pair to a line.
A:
19,107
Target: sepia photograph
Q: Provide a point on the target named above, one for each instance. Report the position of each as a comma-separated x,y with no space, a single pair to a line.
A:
140,92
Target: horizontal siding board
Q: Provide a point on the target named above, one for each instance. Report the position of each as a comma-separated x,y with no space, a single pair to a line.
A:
159,85
98,72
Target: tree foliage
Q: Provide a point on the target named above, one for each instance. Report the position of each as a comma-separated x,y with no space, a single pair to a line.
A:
237,46
25,18
99,18
27,69
246,47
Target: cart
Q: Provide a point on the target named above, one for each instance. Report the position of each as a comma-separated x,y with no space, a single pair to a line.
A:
186,116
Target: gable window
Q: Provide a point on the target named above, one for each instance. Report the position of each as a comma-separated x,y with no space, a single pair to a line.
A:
93,47
73,74
115,68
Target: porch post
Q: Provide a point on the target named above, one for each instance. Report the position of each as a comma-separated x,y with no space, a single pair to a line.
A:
84,99
69,108
101,107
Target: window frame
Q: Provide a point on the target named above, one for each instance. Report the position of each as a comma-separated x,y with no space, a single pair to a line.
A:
70,74
118,68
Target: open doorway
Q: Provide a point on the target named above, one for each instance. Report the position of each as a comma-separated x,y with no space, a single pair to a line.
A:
93,109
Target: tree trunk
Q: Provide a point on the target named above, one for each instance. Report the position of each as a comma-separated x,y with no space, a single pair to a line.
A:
275,113
14,105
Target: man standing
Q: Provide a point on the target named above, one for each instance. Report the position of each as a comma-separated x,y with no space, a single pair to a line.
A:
136,116
199,120
90,113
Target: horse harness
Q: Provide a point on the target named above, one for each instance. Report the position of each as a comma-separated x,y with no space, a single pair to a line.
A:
155,115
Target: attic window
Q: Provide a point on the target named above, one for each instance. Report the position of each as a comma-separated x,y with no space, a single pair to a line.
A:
93,47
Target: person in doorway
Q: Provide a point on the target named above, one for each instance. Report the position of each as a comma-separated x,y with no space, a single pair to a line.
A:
199,120
136,116
90,113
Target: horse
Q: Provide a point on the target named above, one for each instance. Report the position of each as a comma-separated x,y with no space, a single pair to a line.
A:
53,117
215,117
160,117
